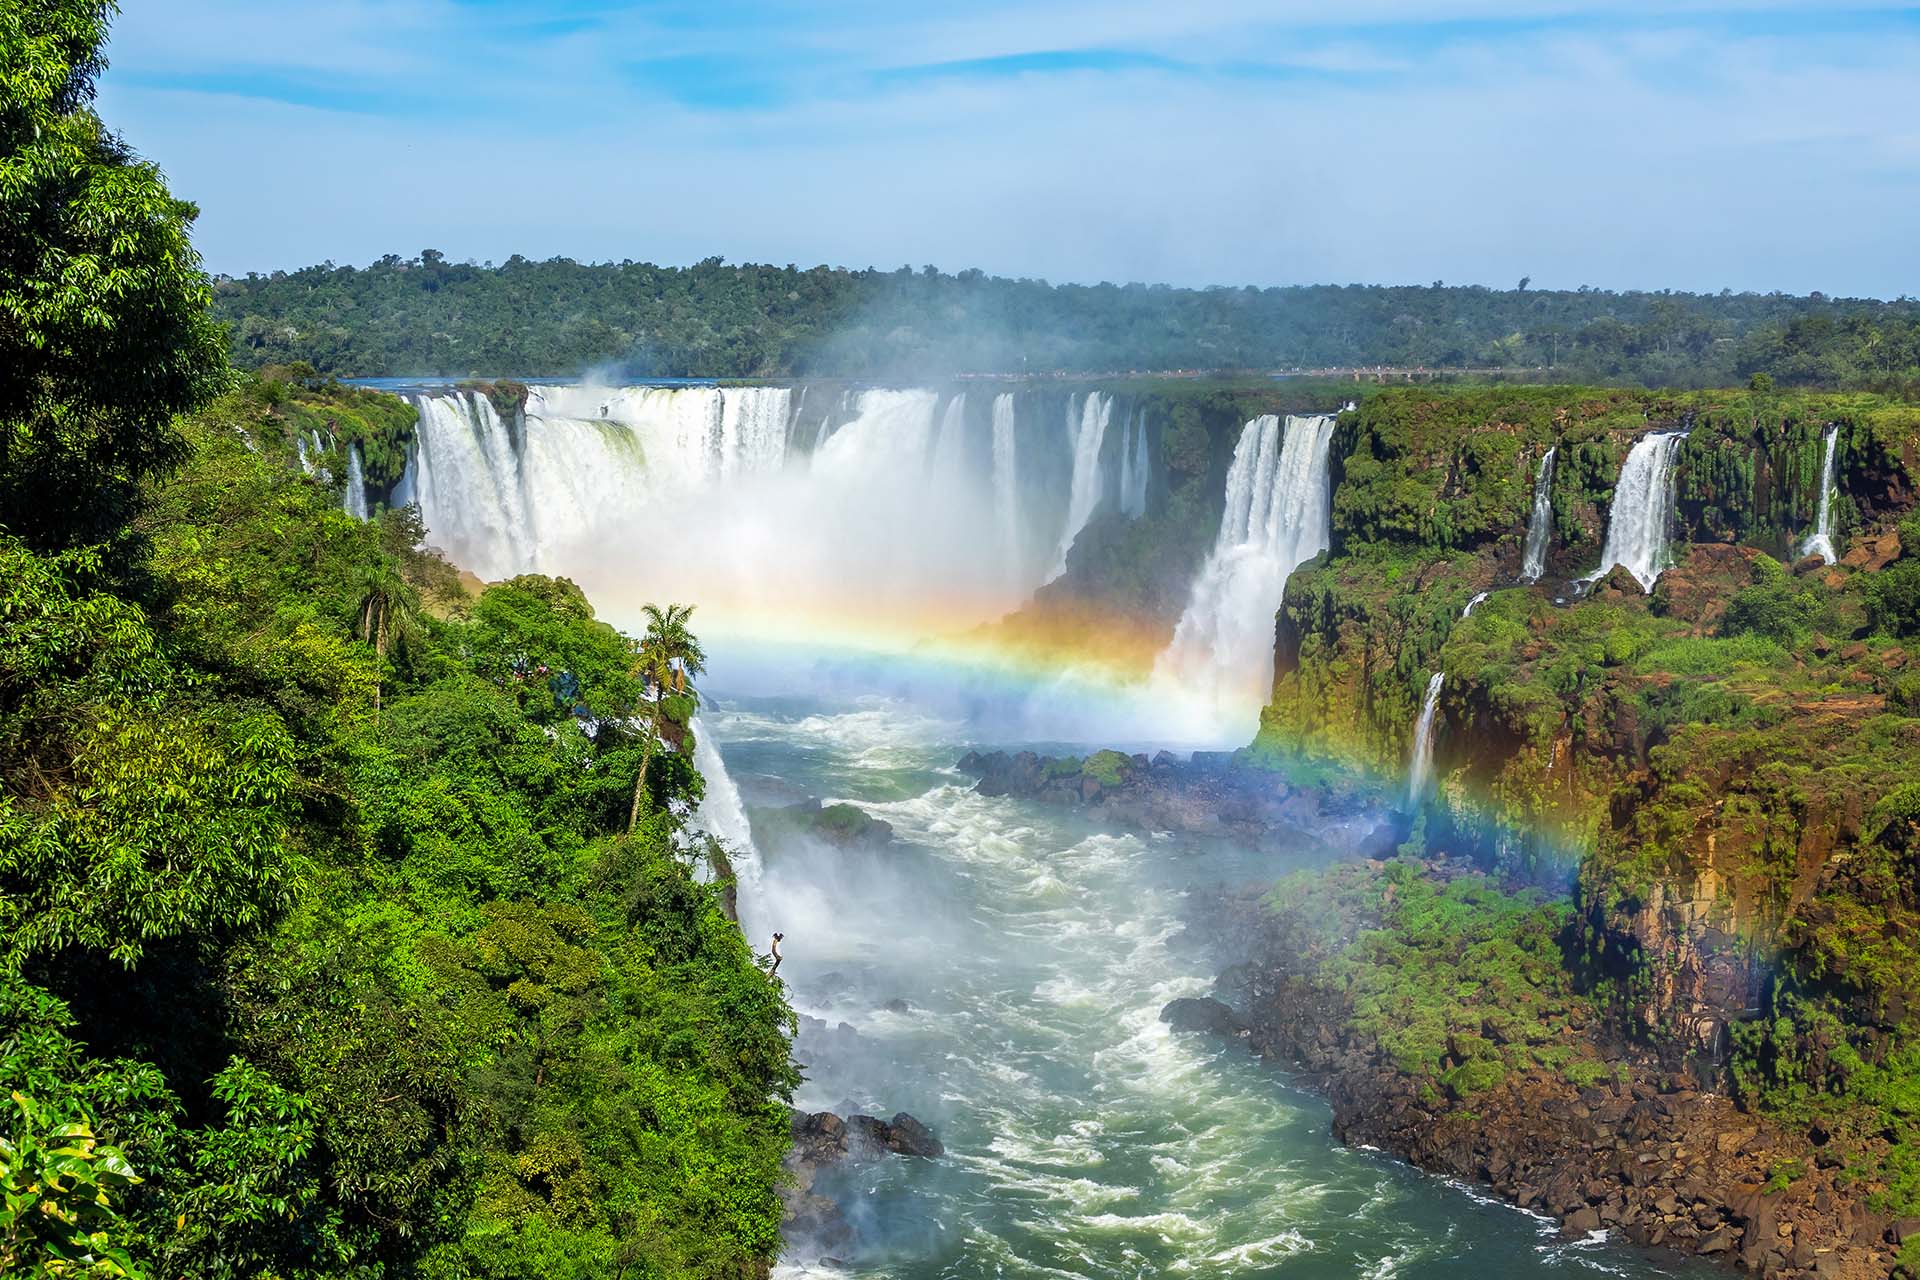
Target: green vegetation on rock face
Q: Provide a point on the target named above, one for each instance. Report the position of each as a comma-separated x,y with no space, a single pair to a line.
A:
1456,980
325,950
1727,761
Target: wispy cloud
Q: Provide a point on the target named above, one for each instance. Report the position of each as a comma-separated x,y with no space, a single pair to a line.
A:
1233,141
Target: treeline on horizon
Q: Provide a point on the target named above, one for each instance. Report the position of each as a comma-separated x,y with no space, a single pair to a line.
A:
431,316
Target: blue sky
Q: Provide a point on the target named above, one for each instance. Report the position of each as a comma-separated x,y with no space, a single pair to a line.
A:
1695,145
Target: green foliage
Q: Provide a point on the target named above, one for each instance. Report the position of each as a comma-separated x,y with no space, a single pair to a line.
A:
1109,768
105,336
452,1016
58,1184
1457,981
428,315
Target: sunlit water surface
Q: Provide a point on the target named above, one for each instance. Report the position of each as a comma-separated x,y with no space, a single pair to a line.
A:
1084,1139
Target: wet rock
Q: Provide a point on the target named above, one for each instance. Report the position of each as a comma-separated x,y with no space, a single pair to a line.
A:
1582,1221
1204,1014
908,1137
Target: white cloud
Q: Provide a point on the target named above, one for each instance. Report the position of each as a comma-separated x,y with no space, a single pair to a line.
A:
1670,154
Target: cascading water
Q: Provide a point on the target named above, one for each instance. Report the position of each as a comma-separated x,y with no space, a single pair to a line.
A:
1006,485
1533,562
1640,524
1088,479
722,816
465,476
950,448
1473,603
710,495
1276,518
1420,771
1135,469
353,498
1820,542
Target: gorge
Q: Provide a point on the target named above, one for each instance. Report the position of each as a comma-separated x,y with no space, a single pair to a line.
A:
981,512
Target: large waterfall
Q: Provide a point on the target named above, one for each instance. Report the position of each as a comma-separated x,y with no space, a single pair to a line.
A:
1088,480
1420,771
910,511
1820,542
1640,523
1533,561
1276,517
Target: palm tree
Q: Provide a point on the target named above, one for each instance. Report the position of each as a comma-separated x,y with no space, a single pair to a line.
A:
389,611
665,661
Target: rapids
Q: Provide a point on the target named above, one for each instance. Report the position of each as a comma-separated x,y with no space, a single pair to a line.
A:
1084,1138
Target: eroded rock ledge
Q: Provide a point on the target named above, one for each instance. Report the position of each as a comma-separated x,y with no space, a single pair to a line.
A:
1647,1156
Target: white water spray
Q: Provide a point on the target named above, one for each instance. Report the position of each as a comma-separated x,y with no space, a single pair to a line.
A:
1533,561
1640,523
1277,517
1472,604
1820,543
1420,772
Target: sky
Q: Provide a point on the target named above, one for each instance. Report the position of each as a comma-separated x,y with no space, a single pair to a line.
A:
1692,144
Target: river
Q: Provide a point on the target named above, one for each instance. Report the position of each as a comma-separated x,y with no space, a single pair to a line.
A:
1033,954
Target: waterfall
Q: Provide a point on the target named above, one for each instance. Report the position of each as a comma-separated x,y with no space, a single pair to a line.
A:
1088,480
354,499
1820,542
1006,484
1276,518
1640,523
904,521
722,816
1533,562
465,476
950,448
1134,466
1468,611
1421,770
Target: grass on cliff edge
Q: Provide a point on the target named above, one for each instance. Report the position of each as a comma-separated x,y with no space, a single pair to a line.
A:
1457,982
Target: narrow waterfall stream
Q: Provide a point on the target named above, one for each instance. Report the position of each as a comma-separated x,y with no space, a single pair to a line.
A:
1820,542
1533,560
1420,768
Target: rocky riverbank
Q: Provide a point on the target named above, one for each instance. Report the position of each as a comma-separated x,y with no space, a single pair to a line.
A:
1650,1157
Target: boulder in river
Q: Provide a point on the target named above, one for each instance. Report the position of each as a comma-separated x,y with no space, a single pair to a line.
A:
1201,1013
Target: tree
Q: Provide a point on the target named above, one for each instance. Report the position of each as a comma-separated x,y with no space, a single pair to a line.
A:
665,660
104,331
389,608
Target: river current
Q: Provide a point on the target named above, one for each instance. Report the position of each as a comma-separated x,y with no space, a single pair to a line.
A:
999,971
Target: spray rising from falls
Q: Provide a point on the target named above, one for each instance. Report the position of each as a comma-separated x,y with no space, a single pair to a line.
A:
1820,543
859,513
1277,517
1533,562
1640,525
1420,770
